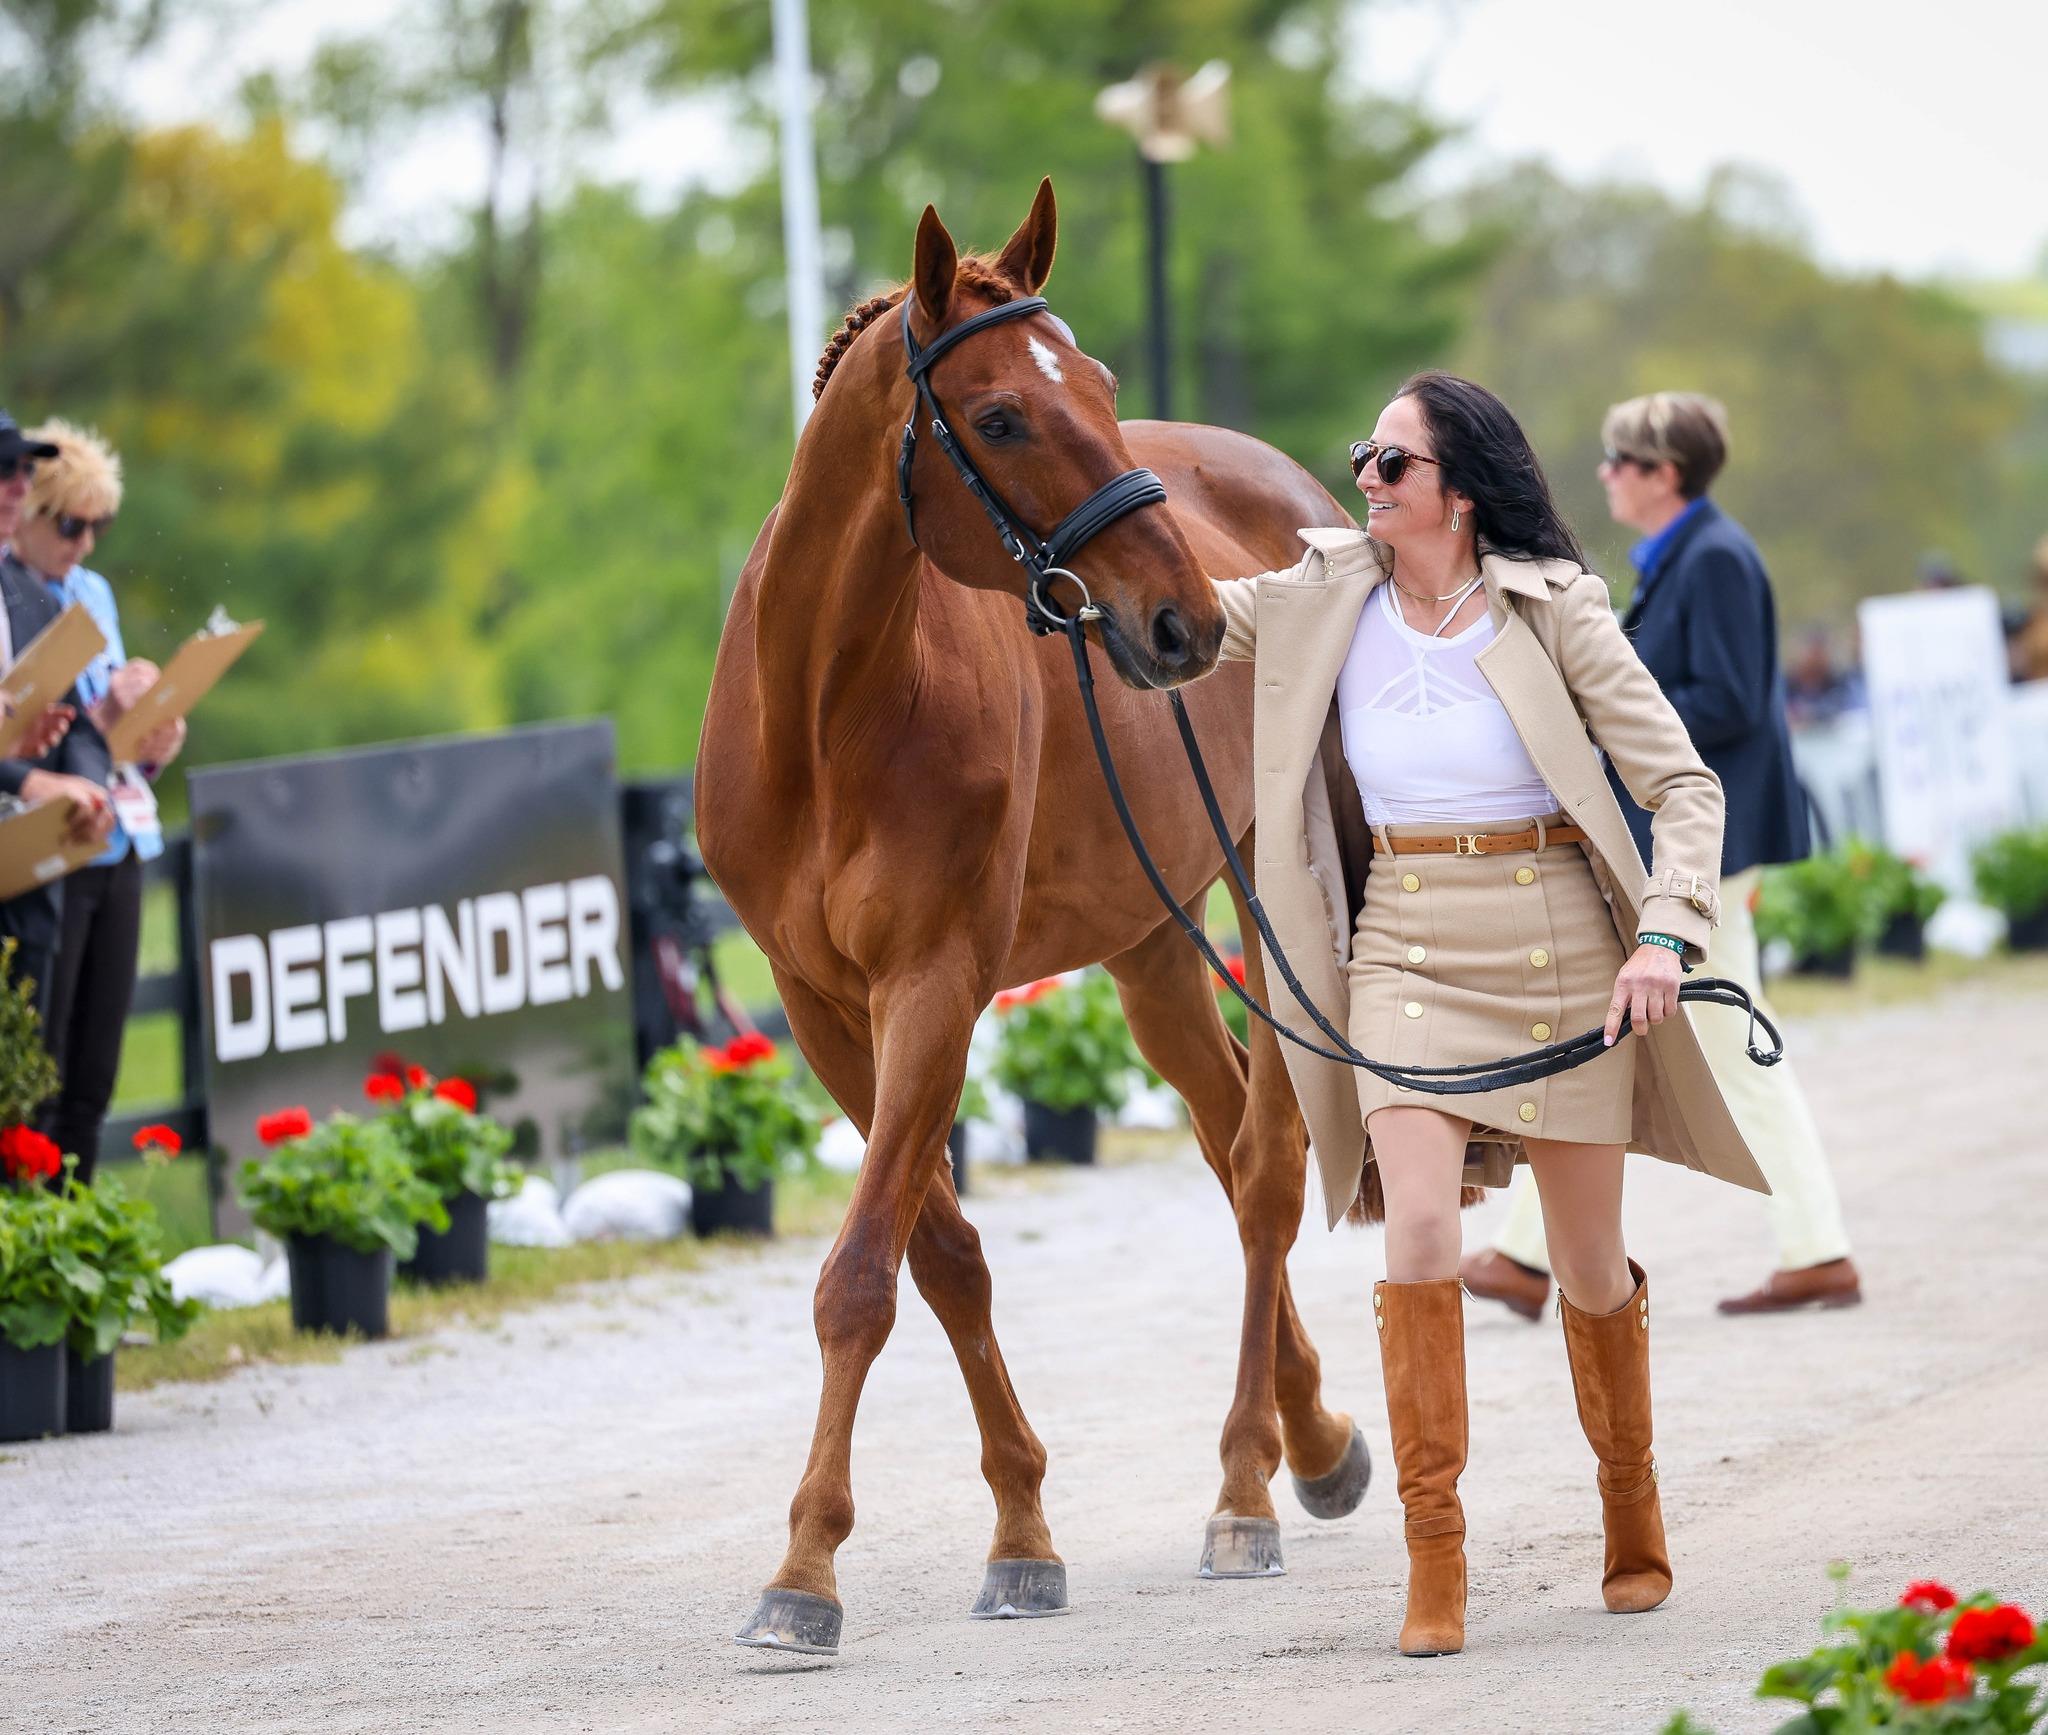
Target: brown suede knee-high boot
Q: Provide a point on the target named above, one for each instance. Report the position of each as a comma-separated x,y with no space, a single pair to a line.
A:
1422,1352
1610,1357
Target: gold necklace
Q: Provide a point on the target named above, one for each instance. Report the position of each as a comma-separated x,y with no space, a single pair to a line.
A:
1419,597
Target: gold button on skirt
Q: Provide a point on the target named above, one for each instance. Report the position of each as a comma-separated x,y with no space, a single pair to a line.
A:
1447,974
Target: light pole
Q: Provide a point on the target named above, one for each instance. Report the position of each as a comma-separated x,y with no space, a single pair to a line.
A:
1168,115
802,255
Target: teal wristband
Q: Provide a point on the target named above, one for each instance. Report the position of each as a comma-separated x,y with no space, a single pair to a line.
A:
1669,942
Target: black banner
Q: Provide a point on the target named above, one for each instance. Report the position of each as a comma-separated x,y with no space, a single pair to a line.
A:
459,904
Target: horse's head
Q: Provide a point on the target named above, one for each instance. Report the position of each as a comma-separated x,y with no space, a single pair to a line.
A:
1036,416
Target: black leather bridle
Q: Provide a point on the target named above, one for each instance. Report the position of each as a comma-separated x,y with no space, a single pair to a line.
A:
1043,559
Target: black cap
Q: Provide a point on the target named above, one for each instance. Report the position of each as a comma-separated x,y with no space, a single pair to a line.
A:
14,444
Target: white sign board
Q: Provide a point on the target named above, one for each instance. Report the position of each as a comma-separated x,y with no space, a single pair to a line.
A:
1936,669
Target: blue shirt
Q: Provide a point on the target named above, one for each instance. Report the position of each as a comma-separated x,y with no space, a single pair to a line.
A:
81,584
1648,556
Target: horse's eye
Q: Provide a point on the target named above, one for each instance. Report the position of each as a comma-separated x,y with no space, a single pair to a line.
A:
994,427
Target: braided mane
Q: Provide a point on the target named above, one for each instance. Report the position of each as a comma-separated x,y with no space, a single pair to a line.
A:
975,273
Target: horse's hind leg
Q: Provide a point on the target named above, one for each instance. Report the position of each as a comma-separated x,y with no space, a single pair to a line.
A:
1245,1122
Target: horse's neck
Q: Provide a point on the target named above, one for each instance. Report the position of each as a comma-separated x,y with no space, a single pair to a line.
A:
836,639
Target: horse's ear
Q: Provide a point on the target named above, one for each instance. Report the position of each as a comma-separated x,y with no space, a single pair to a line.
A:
931,279
1027,260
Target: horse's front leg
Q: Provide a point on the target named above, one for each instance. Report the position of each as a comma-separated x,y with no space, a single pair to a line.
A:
919,1020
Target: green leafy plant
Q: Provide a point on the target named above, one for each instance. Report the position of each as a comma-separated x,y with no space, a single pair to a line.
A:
110,1257
974,1104
730,1115
2011,871
346,1178
451,1147
35,1293
1930,1662
26,1073
1065,1044
1821,906
1894,886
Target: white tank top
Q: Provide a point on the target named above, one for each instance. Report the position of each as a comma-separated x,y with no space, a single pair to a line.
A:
1424,735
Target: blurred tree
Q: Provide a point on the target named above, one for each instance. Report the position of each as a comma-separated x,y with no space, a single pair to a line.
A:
1868,422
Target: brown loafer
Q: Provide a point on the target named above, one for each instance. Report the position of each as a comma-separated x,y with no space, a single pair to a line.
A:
1492,1276
1832,1283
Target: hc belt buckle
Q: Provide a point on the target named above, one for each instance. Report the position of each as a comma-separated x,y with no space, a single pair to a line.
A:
1467,842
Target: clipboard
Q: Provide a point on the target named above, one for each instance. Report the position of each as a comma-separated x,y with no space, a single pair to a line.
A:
43,673
36,848
188,677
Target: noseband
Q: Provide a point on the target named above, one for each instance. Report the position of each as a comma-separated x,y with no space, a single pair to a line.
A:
1045,558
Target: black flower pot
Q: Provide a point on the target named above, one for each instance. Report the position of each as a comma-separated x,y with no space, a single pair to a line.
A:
1840,965
1904,936
2028,933
461,1253
956,1148
31,1391
727,1209
335,1288
88,1393
1058,1135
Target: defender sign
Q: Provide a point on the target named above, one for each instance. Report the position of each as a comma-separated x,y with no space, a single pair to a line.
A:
456,904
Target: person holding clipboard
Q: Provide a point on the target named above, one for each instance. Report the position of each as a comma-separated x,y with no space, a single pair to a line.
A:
64,757
71,502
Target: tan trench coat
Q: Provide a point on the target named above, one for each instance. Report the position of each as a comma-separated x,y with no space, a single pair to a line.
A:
1566,676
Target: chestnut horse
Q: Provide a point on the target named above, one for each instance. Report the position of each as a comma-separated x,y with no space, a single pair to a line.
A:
896,794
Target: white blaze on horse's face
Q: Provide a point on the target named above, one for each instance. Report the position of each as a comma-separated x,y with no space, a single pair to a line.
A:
1048,363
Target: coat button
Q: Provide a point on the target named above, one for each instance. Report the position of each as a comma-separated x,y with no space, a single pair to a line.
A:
1527,1111
1411,883
1413,1009
1540,1031
1416,954
1525,876
1539,957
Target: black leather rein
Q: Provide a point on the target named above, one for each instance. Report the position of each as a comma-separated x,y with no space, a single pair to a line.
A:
1044,559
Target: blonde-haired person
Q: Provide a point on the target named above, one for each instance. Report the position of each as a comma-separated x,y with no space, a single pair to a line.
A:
1444,865
72,500
1704,623
63,757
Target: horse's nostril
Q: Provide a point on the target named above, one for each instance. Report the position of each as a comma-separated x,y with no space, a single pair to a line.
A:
1169,636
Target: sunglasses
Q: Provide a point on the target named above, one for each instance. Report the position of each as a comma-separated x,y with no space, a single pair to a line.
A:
1393,461
1617,459
71,527
11,467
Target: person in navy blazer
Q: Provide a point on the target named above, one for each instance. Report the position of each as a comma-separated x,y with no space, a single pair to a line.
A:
1704,623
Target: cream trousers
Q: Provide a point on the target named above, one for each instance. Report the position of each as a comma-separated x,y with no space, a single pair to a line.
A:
1803,1210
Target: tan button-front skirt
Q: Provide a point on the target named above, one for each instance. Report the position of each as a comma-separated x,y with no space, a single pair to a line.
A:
1460,958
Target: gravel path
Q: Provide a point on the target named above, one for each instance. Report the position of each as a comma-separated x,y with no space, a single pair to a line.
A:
556,1524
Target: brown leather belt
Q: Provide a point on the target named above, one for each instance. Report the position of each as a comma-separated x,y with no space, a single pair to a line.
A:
1479,842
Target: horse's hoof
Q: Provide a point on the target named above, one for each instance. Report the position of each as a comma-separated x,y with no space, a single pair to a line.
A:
1234,1547
1339,1492
794,1620
1021,1590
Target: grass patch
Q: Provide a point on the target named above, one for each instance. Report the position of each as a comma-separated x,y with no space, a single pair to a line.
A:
1898,981
521,1277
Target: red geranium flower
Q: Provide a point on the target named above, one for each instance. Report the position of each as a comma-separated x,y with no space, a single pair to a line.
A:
1235,965
27,1155
1930,1682
1029,992
417,1078
748,1047
287,1123
1989,1635
382,1087
716,1059
459,1091
158,1137
1928,1595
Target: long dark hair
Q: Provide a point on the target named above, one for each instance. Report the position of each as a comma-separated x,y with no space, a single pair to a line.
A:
1482,453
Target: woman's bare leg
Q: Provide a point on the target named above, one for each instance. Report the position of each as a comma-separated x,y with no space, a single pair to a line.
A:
1421,1154
1580,1186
